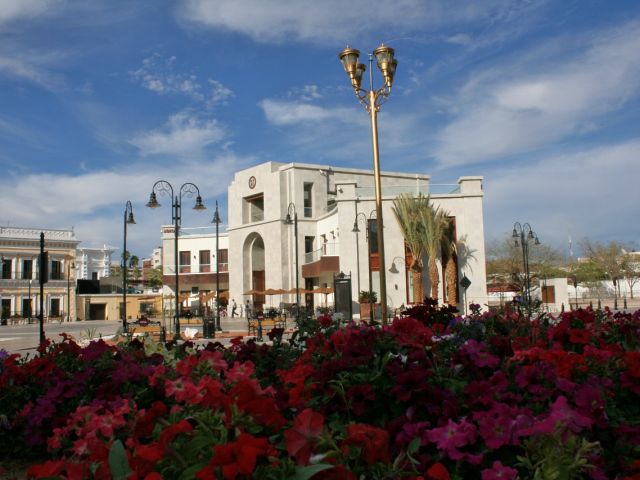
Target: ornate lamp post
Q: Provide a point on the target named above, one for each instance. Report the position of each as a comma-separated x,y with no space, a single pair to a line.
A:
288,221
188,190
217,221
372,99
128,220
524,233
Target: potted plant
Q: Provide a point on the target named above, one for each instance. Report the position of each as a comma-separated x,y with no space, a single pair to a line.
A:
367,298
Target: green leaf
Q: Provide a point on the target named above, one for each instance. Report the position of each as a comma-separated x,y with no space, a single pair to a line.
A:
305,473
118,462
414,445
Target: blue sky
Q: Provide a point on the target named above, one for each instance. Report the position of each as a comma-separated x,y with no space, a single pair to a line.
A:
99,99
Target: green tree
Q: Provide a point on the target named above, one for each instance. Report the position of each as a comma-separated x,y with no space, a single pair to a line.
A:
434,221
154,277
608,258
406,209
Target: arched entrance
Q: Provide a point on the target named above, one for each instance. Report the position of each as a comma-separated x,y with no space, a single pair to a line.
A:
253,273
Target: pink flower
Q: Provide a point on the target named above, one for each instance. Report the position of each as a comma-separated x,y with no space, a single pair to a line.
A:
499,472
452,436
561,417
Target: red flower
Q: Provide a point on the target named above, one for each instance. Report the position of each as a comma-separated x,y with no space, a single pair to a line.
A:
172,431
579,335
373,441
237,458
302,437
52,468
437,471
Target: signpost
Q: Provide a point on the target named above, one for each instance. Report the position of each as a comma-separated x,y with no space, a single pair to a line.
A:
465,283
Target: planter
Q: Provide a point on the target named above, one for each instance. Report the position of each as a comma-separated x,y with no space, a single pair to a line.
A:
365,311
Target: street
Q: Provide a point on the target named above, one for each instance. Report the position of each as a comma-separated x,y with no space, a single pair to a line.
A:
24,338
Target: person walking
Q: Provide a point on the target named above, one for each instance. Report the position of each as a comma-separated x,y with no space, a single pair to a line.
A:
247,309
234,307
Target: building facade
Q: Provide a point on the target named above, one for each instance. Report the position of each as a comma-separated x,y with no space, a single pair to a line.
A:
327,202
19,278
94,263
197,273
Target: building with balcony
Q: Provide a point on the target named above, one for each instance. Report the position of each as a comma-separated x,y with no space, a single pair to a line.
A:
94,263
19,277
197,264
327,201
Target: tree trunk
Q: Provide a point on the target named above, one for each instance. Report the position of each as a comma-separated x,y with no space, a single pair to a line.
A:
451,275
433,277
418,291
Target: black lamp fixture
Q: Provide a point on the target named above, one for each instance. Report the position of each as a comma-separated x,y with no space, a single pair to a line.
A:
188,190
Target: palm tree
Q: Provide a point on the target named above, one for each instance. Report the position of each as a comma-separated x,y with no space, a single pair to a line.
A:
406,209
434,221
449,249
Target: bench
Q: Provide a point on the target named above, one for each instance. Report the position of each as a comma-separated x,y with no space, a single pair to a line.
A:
266,323
154,331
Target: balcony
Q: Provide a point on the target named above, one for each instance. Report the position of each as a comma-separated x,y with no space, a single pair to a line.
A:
322,260
395,190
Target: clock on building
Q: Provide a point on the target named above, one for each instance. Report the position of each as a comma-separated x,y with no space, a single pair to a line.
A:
252,182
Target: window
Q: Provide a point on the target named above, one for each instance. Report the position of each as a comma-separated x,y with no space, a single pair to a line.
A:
205,260
308,200
27,269
223,260
54,307
6,269
185,262
26,307
253,209
373,236
308,244
56,270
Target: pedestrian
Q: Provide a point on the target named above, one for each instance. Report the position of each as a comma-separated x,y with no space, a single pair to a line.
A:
233,308
247,309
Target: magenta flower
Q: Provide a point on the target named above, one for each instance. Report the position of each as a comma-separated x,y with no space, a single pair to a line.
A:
499,472
452,436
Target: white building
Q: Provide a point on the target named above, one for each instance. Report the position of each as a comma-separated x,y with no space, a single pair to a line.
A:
327,201
94,263
197,265
19,275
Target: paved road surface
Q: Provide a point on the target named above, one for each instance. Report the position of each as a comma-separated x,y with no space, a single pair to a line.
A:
24,338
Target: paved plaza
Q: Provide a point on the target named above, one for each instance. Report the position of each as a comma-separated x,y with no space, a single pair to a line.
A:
24,338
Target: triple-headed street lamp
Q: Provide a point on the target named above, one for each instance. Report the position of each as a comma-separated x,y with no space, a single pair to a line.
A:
217,221
128,220
188,190
524,233
372,99
288,221
356,230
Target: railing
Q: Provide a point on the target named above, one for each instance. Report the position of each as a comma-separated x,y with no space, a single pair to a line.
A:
328,249
394,191
34,233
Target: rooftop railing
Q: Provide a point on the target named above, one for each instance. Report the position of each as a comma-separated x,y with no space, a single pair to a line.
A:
395,190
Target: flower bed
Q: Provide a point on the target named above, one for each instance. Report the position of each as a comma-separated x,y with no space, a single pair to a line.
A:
490,396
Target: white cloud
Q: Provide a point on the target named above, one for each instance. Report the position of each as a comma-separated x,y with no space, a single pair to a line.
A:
280,112
592,193
158,75
93,202
12,10
184,134
36,69
331,20
544,100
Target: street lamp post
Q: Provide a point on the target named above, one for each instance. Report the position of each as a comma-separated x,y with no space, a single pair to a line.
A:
217,221
69,267
356,230
372,100
30,302
128,220
189,190
525,233
288,221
